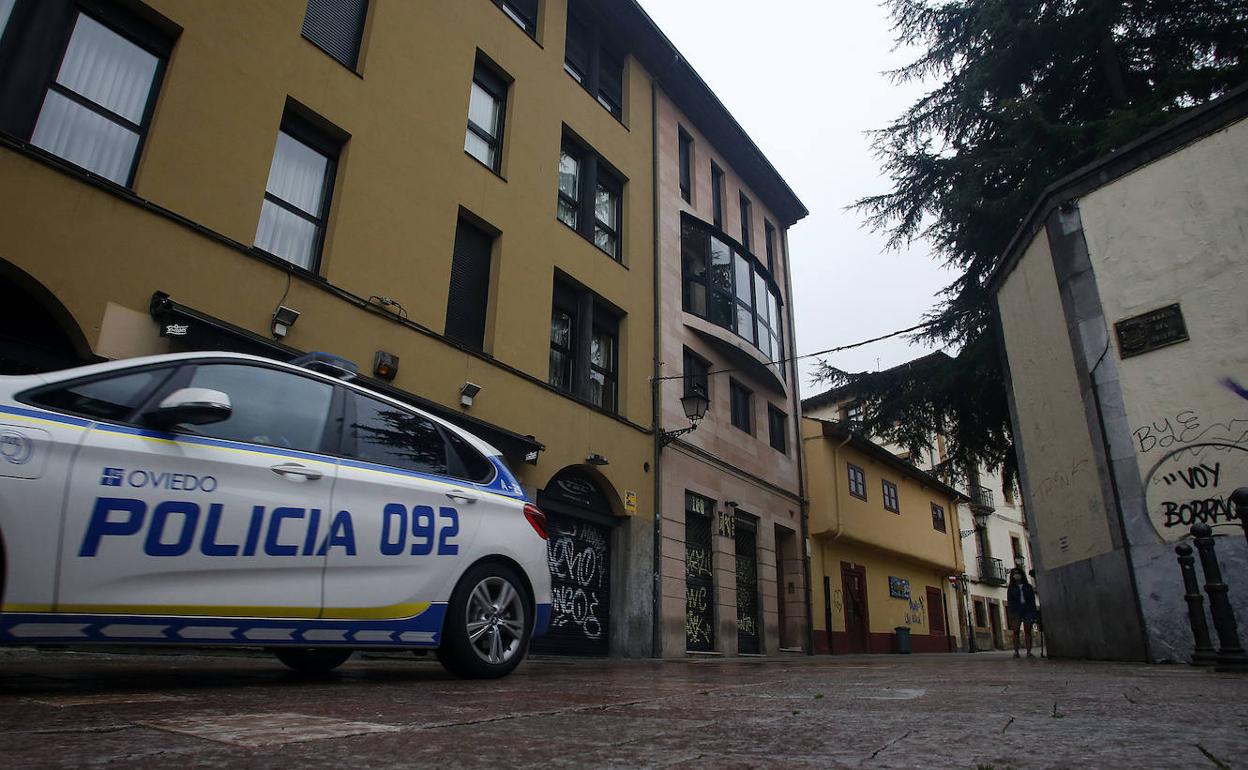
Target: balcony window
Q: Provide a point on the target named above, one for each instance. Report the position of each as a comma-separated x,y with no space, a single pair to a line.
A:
729,287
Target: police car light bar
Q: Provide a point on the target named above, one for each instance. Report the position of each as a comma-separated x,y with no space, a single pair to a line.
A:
328,363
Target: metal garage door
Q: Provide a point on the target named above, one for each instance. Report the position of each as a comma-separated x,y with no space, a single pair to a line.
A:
579,553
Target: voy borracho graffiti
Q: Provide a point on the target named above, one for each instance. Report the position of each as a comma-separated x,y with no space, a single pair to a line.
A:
1192,484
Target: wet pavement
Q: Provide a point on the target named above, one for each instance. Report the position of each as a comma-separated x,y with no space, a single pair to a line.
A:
220,709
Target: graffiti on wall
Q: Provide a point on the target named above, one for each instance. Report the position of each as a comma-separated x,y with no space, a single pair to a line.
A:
1191,464
577,553
916,613
697,616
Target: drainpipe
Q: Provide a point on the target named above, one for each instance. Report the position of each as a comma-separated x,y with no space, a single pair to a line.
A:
656,403
804,503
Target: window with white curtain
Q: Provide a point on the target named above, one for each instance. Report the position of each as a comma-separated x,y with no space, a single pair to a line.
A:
94,113
296,198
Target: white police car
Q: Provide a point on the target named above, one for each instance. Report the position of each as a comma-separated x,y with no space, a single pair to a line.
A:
222,499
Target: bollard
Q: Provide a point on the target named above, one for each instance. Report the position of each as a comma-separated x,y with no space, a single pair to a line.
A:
1204,655
1239,498
1231,656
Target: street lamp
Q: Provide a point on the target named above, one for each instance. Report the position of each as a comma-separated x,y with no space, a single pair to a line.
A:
694,402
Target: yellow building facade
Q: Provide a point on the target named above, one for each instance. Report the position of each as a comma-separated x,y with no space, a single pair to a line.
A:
459,197
884,545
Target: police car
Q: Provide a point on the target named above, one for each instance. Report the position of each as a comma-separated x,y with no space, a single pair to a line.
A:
223,499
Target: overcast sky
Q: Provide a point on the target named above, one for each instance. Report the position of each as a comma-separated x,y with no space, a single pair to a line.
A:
805,79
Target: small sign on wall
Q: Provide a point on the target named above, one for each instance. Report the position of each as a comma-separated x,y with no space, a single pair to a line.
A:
1149,331
898,588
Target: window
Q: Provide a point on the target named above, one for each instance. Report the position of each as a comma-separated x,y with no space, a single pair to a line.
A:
697,374
938,518
6,9
717,195
522,12
777,429
890,497
586,182
686,164
769,234
97,109
468,298
857,481
113,397
1007,494
271,407
1017,546
747,221
296,198
852,414
584,346
335,27
389,435
740,406
590,62
981,614
487,105
729,287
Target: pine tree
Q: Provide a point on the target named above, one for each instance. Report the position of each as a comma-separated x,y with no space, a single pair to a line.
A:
1027,91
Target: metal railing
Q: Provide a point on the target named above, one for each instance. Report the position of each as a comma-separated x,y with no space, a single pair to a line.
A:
991,571
981,497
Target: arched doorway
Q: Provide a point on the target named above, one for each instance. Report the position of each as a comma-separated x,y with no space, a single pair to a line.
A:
37,333
579,551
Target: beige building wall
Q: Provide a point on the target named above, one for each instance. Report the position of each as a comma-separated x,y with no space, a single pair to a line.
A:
1174,231
718,460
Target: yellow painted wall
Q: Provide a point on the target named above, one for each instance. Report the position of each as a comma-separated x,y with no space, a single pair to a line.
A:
401,179
885,612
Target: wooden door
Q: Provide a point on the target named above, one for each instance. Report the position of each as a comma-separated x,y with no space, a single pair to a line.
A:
935,612
857,624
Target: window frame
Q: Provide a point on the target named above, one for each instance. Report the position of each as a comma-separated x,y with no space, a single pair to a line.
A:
600,55
747,220
301,127
894,497
717,196
858,481
40,58
938,518
777,429
769,237
574,300
715,295
593,172
358,47
611,377
684,154
694,379
496,84
740,406
521,20
467,220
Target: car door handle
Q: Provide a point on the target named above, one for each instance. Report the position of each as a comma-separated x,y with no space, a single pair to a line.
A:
460,496
295,469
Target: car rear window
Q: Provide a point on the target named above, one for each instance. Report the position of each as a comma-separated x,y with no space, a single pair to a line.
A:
389,435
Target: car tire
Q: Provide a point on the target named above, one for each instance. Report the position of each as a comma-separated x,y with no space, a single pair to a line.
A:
488,623
312,660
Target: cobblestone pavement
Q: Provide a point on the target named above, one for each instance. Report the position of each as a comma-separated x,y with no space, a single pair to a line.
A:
96,709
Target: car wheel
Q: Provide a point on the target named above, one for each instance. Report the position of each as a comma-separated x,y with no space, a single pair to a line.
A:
488,623
312,660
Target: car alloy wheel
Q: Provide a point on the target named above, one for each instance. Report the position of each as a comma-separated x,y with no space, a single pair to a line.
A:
495,620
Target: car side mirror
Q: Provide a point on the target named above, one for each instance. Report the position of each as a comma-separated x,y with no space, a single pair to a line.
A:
190,406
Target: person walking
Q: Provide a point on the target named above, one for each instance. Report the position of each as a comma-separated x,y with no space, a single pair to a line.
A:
1020,607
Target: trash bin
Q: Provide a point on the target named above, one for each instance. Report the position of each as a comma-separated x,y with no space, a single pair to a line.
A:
903,640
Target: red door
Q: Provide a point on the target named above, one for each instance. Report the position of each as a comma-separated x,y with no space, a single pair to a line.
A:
935,612
854,584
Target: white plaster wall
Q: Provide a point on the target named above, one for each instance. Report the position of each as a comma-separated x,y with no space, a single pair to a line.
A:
1176,230
1052,430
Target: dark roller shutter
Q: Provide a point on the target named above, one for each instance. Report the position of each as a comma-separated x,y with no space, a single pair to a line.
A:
699,575
335,26
748,636
579,554
470,286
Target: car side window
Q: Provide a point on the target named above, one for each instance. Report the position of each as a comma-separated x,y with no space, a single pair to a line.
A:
269,406
105,398
471,465
389,435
